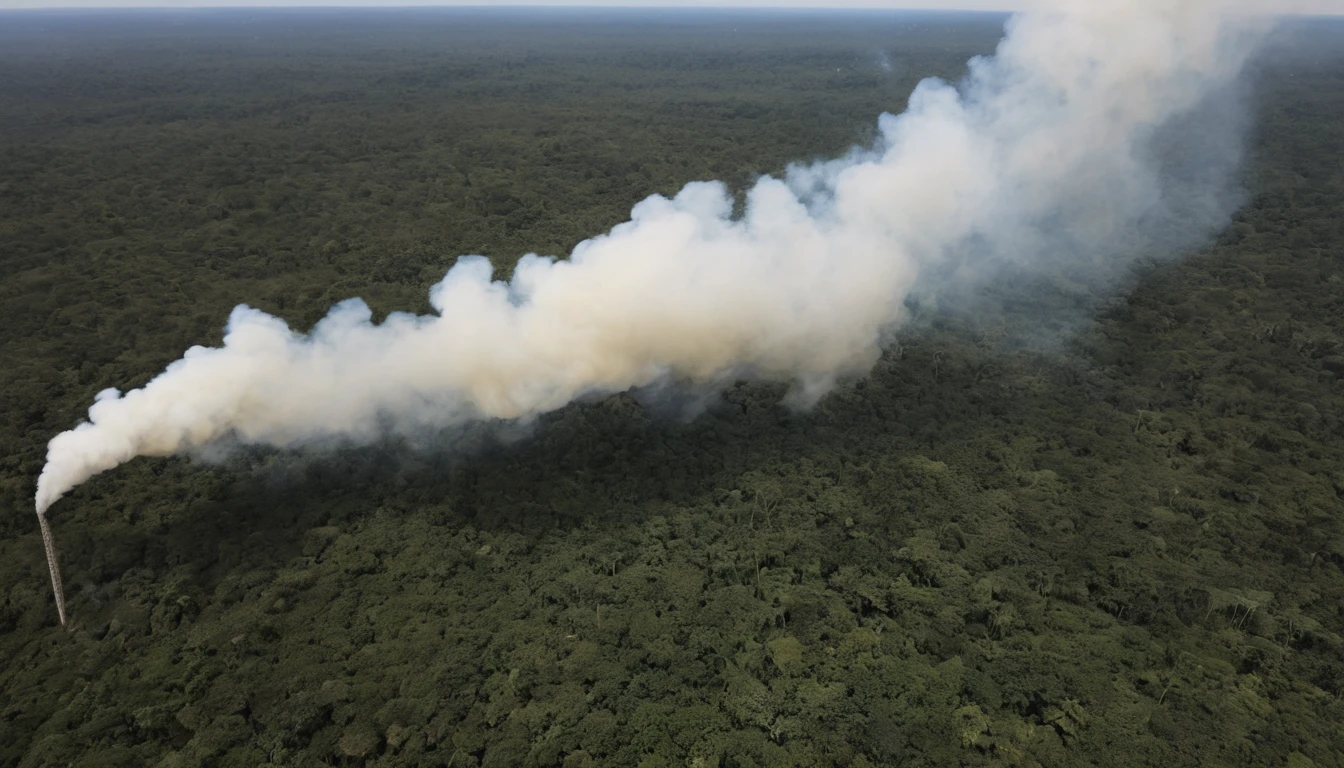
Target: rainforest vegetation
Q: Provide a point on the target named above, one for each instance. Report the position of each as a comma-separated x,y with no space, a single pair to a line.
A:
1120,546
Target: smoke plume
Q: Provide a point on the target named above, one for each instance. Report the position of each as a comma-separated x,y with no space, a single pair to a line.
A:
1049,155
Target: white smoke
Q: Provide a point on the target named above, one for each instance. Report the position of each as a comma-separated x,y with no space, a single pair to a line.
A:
1053,134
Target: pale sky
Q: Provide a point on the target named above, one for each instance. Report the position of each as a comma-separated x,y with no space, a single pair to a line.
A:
1323,7
983,5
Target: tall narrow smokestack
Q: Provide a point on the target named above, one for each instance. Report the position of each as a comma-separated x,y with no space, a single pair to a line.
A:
1045,155
53,565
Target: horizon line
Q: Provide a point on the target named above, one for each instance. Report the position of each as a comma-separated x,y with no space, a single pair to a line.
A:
1307,8
1290,8
516,4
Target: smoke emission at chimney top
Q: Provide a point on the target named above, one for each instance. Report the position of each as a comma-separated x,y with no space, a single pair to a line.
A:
1055,133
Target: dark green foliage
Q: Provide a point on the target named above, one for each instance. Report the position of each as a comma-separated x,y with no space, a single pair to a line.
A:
1126,548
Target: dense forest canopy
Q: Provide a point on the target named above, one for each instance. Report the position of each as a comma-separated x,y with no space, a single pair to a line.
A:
1122,545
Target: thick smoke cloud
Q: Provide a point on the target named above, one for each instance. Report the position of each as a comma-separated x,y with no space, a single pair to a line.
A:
1047,156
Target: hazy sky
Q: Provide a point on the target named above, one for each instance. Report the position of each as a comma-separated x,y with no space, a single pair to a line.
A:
997,5
1285,6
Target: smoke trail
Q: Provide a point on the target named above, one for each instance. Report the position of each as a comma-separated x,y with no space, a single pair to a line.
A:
1045,156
